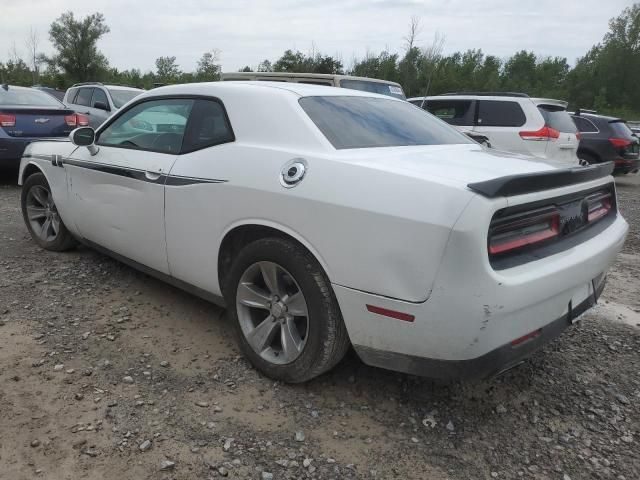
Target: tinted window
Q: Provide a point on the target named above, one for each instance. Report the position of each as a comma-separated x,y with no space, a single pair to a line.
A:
315,82
365,122
71,95
120,97
558,119
455,112
99,96
374,87
208,125
621,129
156,125
84,97
27,96
584,125
496,113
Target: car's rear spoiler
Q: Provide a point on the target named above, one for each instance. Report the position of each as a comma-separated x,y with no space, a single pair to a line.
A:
535,182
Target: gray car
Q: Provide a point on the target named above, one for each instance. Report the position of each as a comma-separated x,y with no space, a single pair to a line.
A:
98,101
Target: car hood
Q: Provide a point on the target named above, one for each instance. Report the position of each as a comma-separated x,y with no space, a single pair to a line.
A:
461,164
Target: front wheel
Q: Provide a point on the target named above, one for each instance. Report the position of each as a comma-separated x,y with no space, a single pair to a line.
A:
41,215
285,314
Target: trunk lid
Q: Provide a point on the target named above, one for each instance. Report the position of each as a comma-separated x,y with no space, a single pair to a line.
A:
37,121
461,164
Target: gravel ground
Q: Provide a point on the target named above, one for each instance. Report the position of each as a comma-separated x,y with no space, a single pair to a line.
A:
107,373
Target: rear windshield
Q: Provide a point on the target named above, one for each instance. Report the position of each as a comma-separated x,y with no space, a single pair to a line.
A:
621,129
558,119
374,87
120,97
27,96
366,122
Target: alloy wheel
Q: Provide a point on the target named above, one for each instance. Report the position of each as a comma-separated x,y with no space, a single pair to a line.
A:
42,214
272,312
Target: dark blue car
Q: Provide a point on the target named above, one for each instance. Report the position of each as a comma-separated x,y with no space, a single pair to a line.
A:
27,114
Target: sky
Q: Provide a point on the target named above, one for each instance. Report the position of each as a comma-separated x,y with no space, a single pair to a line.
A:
249,31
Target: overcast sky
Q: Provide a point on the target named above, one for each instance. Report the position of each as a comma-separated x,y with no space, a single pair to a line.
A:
248,31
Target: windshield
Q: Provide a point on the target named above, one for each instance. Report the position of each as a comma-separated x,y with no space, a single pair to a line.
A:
366,122
558,119
27,96
120,97
374,87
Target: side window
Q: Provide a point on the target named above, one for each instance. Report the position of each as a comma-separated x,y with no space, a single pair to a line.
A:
584,125
497,113
315,82
155,125
71,95
99,96
208,126
84,97
454,112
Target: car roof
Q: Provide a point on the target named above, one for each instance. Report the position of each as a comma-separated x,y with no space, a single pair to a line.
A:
122,87
275,88
326,76
595,116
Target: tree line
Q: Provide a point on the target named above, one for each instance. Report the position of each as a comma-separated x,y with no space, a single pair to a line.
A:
606,78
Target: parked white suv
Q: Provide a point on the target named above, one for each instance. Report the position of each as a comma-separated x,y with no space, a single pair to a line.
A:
98,101
513,122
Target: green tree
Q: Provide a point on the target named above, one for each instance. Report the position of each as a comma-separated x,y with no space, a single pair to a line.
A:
167,70
208,67
76,44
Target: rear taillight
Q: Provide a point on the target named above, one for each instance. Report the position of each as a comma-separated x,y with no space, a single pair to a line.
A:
620,142
578,136
7,120
83,120
76,120
544,134
511,235
599,206
71,120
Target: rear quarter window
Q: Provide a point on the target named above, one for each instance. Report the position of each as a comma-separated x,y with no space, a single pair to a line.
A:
498,113
584,125
367,122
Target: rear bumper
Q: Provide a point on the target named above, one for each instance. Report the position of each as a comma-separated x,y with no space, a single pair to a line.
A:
626,166
487,365
11,149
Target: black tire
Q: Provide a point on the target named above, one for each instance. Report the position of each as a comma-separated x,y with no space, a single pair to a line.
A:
326,341
588,159
58,241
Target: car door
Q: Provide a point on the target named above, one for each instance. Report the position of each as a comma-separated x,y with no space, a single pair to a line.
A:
500,122
196,198
117,195
99,115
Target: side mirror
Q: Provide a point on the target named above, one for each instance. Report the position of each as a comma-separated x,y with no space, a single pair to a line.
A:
102,106
84,137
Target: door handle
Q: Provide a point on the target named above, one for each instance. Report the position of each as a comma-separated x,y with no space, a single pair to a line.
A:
87,113
152,175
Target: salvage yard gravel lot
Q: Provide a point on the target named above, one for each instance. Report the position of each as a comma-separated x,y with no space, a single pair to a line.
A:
107,373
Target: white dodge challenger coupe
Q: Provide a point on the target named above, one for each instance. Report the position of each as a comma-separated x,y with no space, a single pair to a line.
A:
323,218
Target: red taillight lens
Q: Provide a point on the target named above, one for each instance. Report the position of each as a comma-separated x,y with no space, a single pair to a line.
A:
544,134
83,120
522,232
71,120
7,120
620,142
599,206
578,136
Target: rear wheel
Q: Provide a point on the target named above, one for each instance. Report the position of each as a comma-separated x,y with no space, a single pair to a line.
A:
587,159
285,314
41,215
